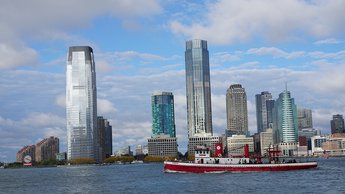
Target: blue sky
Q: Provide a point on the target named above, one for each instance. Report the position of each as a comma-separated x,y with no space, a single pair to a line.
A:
139,49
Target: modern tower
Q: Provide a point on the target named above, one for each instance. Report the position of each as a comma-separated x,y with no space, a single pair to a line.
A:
305,119
81,104
337,124
262,111
104,137
163,117
198,89
236,109
285,119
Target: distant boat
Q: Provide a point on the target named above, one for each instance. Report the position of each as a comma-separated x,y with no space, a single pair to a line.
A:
137,162
203,163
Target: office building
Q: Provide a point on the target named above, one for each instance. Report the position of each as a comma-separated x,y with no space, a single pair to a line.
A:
198,89
162,145
236,108
81,104
337,124
263,106
305,119
316,145
266,141
236,144
47,149
105,138
308,133
163,117
208,141
285,119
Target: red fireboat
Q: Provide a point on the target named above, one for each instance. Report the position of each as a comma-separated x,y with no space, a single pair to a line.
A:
204,163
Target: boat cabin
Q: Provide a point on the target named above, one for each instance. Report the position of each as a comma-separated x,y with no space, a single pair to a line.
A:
203,156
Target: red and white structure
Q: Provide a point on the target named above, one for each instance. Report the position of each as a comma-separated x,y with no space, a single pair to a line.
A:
204,163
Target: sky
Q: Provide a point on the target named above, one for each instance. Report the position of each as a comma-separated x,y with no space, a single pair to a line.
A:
139,49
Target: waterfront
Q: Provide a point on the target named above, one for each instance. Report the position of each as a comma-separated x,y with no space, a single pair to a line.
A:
149,178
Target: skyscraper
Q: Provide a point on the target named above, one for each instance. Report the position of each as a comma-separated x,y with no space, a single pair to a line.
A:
285,119
262,111
104,137
305,119
198,89
337,124
81,104
163,117
236,108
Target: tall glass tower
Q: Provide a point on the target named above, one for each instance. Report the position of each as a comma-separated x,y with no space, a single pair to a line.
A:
81,104
262,111
163,117
198,89
285,119
236,109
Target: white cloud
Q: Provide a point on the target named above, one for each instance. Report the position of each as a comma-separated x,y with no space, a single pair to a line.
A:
328,41
105,107
22,21
13,55
40,120
61,100
275,52
229,21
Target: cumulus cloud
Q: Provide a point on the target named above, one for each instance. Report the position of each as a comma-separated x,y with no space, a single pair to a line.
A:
237,21
20,21
105,107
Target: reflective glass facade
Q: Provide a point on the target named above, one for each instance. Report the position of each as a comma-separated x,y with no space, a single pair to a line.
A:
163,117
263,111
81,104
285,119
198,88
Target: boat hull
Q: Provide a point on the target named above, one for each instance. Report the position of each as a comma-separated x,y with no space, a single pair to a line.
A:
214,168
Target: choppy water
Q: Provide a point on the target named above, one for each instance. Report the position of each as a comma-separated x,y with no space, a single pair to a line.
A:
329,177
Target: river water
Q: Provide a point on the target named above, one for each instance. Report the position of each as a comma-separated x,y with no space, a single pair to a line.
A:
329,177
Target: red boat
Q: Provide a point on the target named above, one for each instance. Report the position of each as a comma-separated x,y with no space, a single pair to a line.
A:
203,163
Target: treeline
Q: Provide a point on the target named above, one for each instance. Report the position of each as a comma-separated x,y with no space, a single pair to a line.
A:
124,159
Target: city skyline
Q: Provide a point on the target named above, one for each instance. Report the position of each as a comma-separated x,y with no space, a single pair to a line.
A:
140,51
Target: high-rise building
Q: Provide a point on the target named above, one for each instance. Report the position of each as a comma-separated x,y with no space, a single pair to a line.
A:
104,138
163,117
26,150
47,149
163,140
236,108
337,124
270,110
81,104
263,106
285,119
305,119
108,139
198,89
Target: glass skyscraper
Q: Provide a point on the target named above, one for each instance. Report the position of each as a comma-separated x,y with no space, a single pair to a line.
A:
285,119
163,117
263,110
81,104
236,109
198,89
